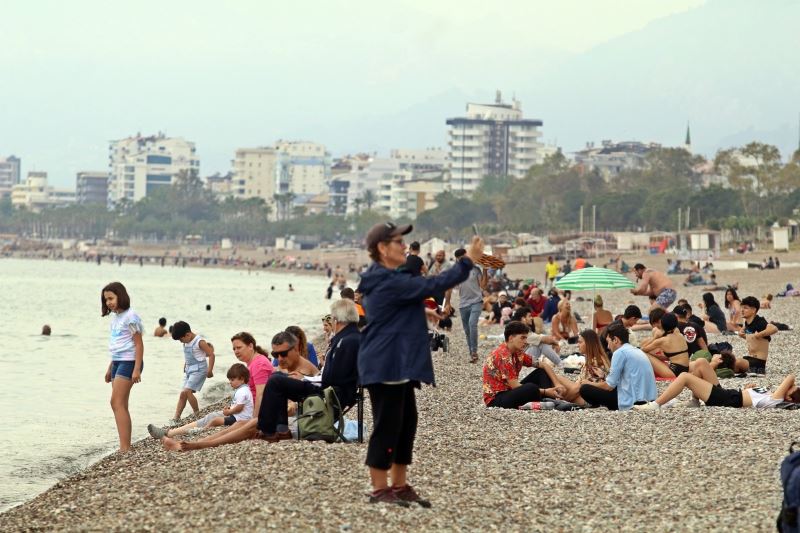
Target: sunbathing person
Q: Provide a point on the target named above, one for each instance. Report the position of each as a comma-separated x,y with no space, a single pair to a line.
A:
594,370
668,343
757,332
705,386
564,326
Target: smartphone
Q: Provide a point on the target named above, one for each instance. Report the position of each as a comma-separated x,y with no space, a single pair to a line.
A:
475,230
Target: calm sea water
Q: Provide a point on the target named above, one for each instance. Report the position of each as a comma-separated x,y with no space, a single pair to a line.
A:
56,417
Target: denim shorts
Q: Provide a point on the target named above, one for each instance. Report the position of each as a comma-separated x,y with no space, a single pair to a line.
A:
123,369
194,380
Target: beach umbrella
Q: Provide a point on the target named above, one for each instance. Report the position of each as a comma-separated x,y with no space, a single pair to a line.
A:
594,279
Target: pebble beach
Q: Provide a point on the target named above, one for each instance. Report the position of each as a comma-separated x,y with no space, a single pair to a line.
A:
709,469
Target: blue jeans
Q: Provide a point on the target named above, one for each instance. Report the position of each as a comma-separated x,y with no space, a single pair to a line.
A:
469,319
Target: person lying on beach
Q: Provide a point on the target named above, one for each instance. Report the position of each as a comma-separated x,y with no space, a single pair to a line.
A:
757,333
501,384
630,379
594,370
703,383
766,302
667,349
161,329
240,410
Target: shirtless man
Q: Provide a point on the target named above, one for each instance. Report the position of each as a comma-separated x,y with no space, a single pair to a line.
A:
284,348
757,333
654,283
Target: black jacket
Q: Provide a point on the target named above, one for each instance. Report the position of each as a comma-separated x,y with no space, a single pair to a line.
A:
341,365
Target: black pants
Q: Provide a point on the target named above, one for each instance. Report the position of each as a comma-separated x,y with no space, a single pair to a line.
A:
530,390
279,390
394,421
597,396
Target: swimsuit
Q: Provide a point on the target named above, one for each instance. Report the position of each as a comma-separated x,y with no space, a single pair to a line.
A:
666,298
675,367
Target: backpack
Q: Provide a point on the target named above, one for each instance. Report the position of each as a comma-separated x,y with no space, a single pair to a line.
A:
788,520
316,422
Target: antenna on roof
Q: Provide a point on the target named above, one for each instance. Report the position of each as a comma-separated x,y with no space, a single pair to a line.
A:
498,97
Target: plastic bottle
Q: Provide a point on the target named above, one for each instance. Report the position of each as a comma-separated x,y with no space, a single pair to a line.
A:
538,406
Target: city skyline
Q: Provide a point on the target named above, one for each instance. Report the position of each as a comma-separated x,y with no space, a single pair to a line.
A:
248,75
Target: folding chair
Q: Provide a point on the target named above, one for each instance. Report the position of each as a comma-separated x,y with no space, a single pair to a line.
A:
359,412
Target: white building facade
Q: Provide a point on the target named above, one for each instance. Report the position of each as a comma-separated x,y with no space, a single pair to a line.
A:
9,175
34,194
140,165
492,140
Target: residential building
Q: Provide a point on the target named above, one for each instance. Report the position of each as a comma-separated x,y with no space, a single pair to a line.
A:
411,196
9,174
492,140
611,158
34,194
91,187
140,165
220,185
255,173
424,160
303,167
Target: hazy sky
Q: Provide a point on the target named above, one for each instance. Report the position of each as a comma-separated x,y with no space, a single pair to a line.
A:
75,74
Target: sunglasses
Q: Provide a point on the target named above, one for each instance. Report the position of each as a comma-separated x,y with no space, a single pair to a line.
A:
282,353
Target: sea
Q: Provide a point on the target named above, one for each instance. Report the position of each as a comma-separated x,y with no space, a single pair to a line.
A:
55,417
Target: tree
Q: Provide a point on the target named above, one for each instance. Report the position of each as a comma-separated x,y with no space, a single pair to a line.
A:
369,198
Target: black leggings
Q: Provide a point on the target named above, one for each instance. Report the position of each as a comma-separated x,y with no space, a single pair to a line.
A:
597,396
394,421
529,390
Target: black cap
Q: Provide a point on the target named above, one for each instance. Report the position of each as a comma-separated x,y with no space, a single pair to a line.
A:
383,232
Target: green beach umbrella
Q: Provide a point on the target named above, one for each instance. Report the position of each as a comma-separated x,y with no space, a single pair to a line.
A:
594,279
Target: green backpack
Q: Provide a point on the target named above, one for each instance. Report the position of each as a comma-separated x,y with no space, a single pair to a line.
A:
316,421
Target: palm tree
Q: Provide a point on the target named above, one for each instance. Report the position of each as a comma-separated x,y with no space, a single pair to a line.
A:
357,202
369,198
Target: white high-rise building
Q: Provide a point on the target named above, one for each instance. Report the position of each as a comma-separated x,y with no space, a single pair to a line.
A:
492,140
305,167
255,173
140,165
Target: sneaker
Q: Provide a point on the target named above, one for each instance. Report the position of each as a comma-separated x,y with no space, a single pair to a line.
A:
649,406
387,495
407,493
156,432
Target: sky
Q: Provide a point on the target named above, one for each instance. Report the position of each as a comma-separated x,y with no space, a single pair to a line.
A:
74,75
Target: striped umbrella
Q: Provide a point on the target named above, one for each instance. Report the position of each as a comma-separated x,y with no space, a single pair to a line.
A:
594,279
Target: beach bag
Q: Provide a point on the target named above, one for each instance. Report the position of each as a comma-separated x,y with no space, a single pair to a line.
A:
788,521
722,373
318,417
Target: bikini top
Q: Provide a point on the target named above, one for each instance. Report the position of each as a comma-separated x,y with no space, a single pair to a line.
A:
670,355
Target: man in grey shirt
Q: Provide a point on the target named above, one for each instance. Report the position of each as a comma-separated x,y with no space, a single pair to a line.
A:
470,304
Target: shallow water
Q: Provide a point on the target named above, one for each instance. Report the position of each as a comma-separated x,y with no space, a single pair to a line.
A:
53,398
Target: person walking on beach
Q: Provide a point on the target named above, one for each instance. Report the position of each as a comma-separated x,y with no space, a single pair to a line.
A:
656,284
198,364
551,270
394,357
127,355
470,305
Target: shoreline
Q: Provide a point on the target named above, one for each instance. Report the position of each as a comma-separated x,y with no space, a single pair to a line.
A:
595,469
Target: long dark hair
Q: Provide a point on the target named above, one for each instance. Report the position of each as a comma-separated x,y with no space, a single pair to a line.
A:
708,299
733,293
248,339
595,354
123,300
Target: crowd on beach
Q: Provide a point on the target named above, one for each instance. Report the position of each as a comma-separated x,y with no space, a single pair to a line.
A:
379,336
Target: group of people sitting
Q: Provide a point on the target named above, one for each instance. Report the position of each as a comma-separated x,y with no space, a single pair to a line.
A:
618,375
262,391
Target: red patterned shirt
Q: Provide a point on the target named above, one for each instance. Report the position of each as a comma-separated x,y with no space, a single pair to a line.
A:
501,367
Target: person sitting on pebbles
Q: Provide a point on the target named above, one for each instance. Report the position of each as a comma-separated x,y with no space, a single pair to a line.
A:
501,384
703,383
630,380
757,332
668,343
594,370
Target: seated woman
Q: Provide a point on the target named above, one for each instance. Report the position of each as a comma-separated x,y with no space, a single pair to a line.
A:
564,325
602,317
594,370
734,306
307,350
667,342
703,383
713,316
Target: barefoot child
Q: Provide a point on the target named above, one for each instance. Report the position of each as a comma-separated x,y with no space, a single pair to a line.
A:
127,355
198,364
241,408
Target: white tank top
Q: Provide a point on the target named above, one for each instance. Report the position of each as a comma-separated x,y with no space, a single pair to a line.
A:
192,353
762,398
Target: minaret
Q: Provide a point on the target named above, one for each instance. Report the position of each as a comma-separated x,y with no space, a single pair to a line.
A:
687,144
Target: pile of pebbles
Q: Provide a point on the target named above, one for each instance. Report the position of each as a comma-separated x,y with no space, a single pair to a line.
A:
483,469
